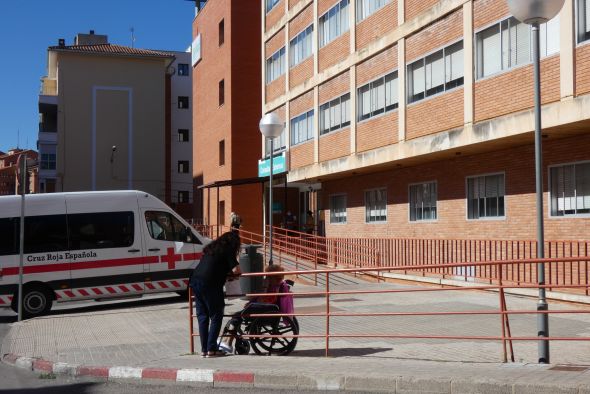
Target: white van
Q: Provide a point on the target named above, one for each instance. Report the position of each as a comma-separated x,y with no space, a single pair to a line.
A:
93,245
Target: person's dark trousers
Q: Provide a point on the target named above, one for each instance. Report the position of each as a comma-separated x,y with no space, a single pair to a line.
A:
209,304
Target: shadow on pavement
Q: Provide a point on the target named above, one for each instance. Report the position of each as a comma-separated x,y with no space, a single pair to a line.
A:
70,388
340,352
105,305
8,319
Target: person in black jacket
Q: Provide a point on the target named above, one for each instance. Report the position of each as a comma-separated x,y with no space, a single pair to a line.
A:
219,260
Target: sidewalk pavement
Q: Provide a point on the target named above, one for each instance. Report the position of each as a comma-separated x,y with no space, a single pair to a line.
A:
150,342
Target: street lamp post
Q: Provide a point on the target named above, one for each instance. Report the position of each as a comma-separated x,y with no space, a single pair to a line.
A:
535,12
271,126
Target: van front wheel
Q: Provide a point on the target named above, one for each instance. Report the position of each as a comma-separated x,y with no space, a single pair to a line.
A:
37,301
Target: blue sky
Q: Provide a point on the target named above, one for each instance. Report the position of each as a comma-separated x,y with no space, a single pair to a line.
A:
28,27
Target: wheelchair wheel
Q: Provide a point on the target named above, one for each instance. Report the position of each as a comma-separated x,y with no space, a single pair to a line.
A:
242,346
274,326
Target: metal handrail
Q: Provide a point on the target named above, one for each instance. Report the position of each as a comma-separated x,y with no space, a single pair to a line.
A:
505,337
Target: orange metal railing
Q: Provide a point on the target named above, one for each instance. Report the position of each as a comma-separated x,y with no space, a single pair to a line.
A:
501,267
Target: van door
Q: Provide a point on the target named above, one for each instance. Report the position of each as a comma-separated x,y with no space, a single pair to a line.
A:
106,256
175,248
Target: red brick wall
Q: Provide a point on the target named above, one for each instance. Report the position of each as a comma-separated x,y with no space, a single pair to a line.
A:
301,21
335,144
376,66
335,87
415,7
301,104
583,69
293,3
518,165
377,132
435,36
432,115
237,61
376,25
325,5
301,155
512,91
274,15
274,44
489,11
301,72
336,51
275,89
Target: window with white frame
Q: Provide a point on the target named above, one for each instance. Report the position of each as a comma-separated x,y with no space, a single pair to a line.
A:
508,44
338,208
364,8
335,114
275,65
376,205
301,47
334,22
270,4
485,196
302,128
423,201
570,189
436,73
583,20
378,96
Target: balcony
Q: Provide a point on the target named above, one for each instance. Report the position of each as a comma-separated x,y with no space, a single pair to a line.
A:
48,92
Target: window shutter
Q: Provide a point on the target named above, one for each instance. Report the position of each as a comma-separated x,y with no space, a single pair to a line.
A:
416,78
310,125
490,54
552,37
435,70
454,62
365,101
391,89
520,43
583,186
343,17
345,106
334,114
324,118
569,189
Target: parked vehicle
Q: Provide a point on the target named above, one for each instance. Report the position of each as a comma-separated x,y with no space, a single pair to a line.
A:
93,245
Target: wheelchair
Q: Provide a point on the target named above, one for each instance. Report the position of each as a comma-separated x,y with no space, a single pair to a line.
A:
242,324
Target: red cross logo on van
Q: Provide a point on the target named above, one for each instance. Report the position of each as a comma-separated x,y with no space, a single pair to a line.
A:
170,258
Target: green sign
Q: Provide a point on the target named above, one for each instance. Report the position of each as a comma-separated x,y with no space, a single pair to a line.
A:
279,165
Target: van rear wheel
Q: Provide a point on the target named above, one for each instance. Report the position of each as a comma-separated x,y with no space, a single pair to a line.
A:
37,301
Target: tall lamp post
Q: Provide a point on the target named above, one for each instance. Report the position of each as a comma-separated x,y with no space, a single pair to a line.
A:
271,126
535,12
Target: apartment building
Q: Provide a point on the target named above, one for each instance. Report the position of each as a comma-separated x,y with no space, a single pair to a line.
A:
9,171
413,118
179,135
226,93
103,117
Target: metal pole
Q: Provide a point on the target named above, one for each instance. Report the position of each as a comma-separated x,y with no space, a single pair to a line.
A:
23,181
542,318
272,146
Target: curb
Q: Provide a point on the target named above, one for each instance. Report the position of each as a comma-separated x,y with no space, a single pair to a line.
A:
202,376
300,381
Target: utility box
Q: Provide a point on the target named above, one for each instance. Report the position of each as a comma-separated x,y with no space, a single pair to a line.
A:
251,261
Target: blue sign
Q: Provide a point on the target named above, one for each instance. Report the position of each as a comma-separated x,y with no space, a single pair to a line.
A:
279,165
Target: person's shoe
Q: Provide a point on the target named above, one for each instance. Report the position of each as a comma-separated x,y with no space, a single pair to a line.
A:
215,353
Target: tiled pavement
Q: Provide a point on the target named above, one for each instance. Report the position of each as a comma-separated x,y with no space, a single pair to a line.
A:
155,334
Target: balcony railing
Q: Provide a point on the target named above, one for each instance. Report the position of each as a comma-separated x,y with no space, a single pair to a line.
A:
48,86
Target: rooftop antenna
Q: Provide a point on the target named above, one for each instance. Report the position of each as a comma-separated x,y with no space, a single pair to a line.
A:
132,37
17,138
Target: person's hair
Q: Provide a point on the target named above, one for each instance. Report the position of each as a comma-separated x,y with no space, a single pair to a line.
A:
275,268
309,213
227,243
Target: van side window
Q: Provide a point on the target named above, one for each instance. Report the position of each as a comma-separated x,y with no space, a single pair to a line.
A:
9,239
165,227
101,230
47,233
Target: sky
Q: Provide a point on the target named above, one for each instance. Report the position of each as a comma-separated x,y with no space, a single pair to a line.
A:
28,27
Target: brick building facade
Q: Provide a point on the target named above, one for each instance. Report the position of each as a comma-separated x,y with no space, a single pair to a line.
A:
226,111
420,116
